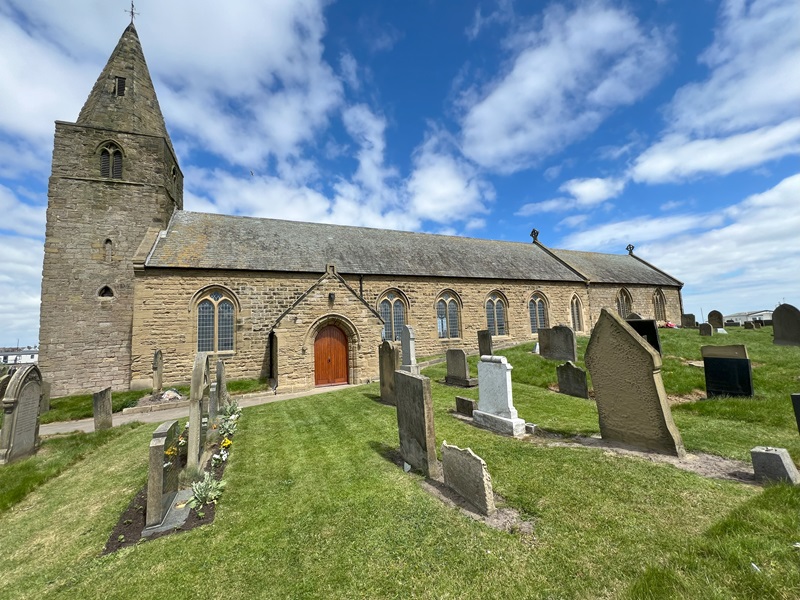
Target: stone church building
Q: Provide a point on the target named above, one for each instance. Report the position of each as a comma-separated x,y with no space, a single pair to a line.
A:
128,271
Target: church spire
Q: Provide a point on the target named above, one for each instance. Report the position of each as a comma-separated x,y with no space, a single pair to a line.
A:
123,98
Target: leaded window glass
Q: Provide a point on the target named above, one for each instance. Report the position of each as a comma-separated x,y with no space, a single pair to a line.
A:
500,312
393,312
624,303
441,318
399,318
538,313
576,311
216,323
205,326
386,315
452,317
659,306
225,325
448,317
496,315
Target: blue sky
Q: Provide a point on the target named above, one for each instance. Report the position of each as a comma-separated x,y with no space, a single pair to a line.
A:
670,125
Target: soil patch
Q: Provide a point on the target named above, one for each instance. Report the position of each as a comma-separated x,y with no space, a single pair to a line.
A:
165,397
692,396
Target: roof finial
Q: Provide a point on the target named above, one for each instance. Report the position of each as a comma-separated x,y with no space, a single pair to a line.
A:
132,12
629,248
535,235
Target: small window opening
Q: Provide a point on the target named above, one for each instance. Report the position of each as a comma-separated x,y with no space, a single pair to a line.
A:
120,86
111,161
106,292
108,248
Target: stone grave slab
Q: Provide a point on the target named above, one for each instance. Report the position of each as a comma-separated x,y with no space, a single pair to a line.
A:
728,370
774,464
162,478
648,329
4,381
158,372
415,423
45,404
409,346
495,402
688,321
198,392
223,396
389,361
706,330
484,343
21,400
213,402
458,369
466,473
786,325
572,380
715,319
101,403
466,406
558,343
626,377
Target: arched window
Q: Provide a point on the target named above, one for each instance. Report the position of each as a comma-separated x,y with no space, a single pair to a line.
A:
538,310
105,292
624,303
659,305
392,309
108,250
111,161
447,316
576,312
496,311
216,317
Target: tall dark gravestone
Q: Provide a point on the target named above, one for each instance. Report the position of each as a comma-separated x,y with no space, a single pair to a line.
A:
484,343
796,406
648,329
786,325
716,320
728,371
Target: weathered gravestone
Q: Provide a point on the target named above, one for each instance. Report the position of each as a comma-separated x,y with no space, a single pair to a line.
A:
626,377
756,324
4,381
633,316
465,406
389,361
706,329
213,402
44,406
102,408
162,478
198,391
572,380
484,342
466,473
458,369
558,343
158,372
648,329
728,370
415,422
21,400
796,406
786,325
749,325
774,464
495,402
688,321
223,395
715,319
408,343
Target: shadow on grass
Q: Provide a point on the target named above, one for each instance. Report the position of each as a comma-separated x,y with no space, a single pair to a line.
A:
387,452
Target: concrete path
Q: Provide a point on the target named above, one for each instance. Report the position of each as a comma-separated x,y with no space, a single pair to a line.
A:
159,416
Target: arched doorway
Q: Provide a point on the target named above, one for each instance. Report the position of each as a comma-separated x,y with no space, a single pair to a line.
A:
330,356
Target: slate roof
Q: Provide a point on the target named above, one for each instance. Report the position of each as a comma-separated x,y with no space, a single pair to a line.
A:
614,268
210,241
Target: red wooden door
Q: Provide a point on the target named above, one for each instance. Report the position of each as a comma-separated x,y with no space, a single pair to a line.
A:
330,356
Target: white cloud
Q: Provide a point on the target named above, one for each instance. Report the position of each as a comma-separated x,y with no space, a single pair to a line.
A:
564,79
349,68
545,206
20,286
594,190
21,217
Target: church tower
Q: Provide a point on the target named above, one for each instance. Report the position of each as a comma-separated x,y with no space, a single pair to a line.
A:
114,176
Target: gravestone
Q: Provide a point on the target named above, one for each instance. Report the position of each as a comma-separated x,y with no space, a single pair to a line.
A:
572,380
465,472
101,403
728,371
749,325
458,369
389,361
162,478
408,343
558,343
786,325
223,396
415,422
626,377
213,402
466,406
484,342
198,391
756,324
633,316
715,319
495,403
45,404
158,372
688,321
21,400
706,329
648,329
774,464
796,406
4,381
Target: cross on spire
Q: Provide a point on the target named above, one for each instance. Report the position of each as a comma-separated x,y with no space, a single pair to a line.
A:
132,12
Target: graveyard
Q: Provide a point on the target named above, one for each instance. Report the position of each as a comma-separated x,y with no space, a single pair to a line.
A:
317,503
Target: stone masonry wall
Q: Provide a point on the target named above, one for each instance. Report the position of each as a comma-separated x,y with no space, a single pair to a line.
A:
605,296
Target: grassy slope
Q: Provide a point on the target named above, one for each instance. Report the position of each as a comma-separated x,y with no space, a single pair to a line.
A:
313,509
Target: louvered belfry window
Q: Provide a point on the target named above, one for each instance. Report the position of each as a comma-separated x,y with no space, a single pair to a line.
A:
111,161
119,88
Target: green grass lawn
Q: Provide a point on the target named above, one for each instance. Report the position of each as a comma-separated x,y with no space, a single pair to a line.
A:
314,509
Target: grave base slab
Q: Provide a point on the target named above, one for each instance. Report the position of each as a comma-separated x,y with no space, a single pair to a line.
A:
504,425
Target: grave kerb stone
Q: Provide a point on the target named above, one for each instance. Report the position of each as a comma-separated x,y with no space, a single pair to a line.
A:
162,479
458,369
415,423
774,464
102,409
495,401
20,432
466,473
